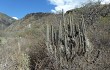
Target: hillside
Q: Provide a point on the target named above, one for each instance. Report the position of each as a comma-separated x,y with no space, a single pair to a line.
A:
96,19
76,40
33,19
29,32
5,21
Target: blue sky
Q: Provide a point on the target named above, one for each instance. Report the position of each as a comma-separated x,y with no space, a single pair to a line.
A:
19,8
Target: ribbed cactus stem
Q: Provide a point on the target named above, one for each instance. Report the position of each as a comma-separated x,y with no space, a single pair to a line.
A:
48,40
55,38
60,30
82,21
83,33
52,35
73,30
65,42
47,35
55,54
48,43
62,15
79,39
66,47
71,26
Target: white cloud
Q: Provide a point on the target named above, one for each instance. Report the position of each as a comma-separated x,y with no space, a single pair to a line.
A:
63,4
105,2
15,18
69,4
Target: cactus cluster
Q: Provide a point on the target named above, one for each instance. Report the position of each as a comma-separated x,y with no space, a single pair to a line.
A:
66,42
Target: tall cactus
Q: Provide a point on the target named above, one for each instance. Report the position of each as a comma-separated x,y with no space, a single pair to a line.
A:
48,40
52,35
61,42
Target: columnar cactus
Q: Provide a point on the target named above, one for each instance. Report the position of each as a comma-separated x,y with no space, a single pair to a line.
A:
61,42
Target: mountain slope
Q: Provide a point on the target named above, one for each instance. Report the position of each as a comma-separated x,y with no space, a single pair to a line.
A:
33,24
5,21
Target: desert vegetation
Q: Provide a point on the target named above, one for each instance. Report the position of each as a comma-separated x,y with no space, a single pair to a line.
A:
76,40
